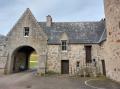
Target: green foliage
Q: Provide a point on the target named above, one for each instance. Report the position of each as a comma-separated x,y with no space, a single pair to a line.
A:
33,64
33,60
33,57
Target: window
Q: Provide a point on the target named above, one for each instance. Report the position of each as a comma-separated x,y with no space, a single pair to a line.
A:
78,64
26,31
64,45
88,54
94,62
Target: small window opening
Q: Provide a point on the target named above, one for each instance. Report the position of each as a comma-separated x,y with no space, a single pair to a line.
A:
78,64
64,45
94,62
26,31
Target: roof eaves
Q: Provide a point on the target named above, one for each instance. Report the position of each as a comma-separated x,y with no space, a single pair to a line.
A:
100,40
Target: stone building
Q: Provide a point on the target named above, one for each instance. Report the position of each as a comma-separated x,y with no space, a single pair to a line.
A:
112,44
62,47
84,48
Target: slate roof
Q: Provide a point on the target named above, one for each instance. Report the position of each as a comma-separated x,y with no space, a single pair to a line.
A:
2,39
77,32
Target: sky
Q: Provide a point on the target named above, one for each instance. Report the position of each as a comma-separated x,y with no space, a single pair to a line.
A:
60,10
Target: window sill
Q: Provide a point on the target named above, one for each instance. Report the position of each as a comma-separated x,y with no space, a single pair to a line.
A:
26,36
64,51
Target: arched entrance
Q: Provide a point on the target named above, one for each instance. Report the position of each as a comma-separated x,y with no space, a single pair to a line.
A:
21,58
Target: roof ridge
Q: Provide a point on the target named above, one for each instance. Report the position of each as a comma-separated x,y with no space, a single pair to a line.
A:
74,22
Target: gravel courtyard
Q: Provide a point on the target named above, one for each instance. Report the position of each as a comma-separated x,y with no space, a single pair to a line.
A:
28,80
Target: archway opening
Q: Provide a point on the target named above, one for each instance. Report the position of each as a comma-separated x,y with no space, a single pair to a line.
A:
24,58
33,63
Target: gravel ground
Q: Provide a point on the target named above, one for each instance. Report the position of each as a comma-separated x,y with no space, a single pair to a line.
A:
28,80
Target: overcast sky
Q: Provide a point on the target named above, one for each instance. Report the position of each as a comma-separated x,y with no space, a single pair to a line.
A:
60,10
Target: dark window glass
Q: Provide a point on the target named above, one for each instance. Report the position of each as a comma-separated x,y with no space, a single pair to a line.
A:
26,31
64,45
78,64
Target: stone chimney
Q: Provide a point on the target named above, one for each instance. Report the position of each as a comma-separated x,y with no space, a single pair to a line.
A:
49,21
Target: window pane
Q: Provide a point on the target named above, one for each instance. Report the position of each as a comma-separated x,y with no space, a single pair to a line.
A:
63,42
64,45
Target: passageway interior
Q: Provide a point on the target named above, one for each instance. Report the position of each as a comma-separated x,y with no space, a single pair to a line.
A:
25,57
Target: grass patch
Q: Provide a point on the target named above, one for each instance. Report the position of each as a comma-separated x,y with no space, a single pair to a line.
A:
33,64
33,60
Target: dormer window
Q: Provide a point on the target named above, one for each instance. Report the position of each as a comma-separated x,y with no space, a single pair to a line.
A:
26,31
64,45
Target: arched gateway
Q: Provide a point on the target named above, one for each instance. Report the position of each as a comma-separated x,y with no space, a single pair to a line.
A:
21,58
26,37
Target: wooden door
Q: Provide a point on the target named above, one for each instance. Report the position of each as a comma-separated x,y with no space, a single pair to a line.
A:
88,54
103,67
65,66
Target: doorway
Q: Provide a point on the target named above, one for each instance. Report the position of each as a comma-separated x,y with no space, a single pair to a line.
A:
103,67
88,54
65,66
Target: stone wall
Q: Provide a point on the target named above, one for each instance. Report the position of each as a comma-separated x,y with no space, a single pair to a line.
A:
75,53
3,57
53,58
112,14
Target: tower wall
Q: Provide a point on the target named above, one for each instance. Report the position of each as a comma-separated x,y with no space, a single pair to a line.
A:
112,14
